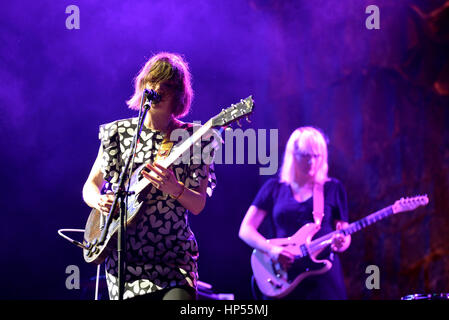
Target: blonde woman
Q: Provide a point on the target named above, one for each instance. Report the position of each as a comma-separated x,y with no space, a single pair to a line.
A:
161,250
287,203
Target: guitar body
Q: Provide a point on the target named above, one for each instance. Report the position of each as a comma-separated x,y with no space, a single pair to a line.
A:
272,280
97,252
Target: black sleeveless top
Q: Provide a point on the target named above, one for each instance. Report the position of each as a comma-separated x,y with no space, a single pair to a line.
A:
286,216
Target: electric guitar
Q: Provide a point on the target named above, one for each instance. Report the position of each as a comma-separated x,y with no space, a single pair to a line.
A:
274,281
100,237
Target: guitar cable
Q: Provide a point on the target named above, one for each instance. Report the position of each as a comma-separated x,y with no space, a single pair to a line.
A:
79,244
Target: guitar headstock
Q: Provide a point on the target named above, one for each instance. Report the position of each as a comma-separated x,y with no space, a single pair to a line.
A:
408,204
234,112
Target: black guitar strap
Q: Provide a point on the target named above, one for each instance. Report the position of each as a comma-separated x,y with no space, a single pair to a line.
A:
167,144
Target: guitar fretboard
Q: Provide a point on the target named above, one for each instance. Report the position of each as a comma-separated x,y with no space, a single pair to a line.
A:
326,240
363,223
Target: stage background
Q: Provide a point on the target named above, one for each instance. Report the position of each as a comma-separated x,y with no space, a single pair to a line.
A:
381,96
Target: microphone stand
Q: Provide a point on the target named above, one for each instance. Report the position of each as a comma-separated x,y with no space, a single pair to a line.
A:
121,194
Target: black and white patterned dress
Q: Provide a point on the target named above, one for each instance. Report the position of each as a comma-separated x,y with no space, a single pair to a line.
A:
161,249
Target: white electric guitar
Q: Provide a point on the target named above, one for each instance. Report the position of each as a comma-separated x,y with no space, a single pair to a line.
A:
274,281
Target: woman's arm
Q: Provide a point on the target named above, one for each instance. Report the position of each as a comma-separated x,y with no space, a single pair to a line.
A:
248,229
193,199
92,188
248,233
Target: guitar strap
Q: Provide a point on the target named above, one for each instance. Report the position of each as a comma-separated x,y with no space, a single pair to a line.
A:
318,203
167,144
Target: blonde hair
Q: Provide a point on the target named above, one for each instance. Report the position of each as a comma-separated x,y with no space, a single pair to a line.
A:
161,67
305,139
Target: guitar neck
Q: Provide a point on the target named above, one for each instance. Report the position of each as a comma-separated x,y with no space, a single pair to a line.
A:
176,153
365,222
326,240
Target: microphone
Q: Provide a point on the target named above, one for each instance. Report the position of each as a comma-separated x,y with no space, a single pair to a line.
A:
152,95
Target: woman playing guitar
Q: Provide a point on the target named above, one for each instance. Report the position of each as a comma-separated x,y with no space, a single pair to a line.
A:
161,250
287,203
